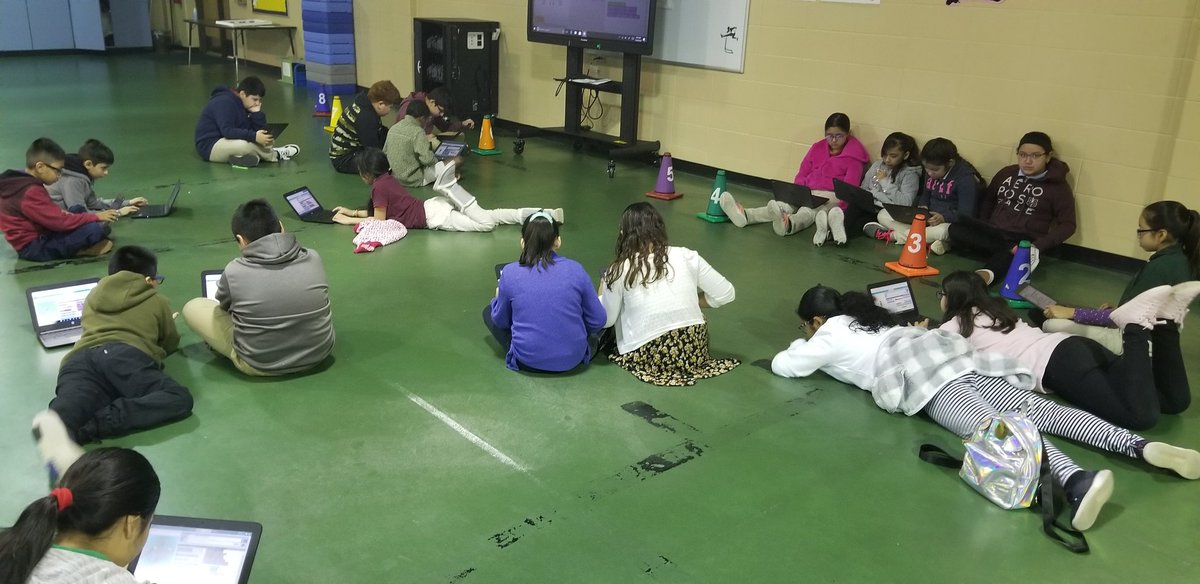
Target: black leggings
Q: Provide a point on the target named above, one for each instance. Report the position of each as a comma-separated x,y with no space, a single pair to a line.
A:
1130,390
997,245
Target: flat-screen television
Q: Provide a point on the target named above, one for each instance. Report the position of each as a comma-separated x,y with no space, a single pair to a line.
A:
625,26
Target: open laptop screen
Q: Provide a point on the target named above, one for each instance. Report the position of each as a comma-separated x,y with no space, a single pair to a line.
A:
187,554
895,296
60,307
211,279
303,202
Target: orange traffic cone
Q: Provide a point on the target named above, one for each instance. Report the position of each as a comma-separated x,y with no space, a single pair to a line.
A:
914,257
335,114
487,142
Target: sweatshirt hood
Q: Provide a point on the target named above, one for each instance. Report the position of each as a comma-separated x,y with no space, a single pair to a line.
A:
14,182
74,165
222,89
1056,171
276,248
854,150
120,292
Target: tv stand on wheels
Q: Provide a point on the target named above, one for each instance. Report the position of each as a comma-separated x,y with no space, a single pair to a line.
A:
626,145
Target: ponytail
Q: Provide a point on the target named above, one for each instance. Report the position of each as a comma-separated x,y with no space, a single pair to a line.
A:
1182,224
23,545
98,490
826,302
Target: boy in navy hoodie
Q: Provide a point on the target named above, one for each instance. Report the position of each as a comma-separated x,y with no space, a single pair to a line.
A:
33,225
232,127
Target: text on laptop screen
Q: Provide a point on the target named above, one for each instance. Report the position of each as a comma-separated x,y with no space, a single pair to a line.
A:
193,555
896,298
60,305
303,202
449,149
210,285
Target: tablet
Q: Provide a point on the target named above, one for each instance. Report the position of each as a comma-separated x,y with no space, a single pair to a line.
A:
1037,297
188,550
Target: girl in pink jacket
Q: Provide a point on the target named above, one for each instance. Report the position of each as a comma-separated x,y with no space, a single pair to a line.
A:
839,155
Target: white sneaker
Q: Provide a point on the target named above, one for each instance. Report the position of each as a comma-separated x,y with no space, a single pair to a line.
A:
54,444
986,275
734,210
287,151
1035,257
938,247
837,225
558,215
1182,461
822,234
1176,308
1143,309
444,176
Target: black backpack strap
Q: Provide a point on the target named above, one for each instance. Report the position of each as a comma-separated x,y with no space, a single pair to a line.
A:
934,454
1049,494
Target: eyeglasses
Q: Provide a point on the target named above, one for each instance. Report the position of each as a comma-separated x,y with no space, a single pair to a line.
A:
1141,231
1030,155
835,137
58,170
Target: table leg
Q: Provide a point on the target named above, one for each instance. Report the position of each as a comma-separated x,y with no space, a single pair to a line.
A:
190,27
292,40
237,33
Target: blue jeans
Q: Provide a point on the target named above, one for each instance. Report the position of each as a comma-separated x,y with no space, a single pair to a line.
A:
63,244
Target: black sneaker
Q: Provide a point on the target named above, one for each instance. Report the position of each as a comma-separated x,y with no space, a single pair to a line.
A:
1087,492
246,160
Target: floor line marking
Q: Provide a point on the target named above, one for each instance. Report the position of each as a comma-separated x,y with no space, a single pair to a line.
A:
464,432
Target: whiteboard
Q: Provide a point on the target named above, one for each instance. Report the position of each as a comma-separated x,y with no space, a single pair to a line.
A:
704,33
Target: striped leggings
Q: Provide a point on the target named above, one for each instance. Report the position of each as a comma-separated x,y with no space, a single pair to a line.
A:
969,400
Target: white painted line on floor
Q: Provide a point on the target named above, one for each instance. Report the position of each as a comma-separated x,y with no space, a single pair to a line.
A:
469,435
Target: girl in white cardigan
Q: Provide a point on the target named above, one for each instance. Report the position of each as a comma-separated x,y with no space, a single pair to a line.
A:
653,294
911,370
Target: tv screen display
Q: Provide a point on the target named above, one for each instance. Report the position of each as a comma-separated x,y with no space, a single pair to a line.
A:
625,26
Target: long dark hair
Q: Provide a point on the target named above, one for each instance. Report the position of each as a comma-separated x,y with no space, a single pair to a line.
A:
643,234
372,162
539,233
826,302
107,484
965,294
1182,224
905,143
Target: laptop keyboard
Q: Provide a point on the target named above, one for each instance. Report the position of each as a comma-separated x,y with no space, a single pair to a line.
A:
63,337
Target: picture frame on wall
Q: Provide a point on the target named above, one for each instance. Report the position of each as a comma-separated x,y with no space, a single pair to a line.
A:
270,6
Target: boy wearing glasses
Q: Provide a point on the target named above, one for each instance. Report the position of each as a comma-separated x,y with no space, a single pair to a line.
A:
112,383
37,228
1030,200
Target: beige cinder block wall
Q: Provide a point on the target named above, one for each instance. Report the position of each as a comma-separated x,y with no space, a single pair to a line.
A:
1110,80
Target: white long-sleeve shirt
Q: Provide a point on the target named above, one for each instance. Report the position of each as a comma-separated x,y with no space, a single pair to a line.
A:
846,354
61,566
645,312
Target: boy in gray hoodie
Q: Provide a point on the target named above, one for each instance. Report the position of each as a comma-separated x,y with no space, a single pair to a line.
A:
75,192
272,314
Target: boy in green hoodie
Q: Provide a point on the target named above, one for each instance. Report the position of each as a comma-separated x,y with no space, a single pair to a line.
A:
112,383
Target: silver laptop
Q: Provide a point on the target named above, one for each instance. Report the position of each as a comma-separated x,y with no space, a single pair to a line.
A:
152,211
187,549
897,297
209,279
57,311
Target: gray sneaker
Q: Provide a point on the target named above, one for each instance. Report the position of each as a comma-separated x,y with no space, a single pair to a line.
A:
244,160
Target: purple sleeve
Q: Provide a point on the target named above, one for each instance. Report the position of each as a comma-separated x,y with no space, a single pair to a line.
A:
1093,316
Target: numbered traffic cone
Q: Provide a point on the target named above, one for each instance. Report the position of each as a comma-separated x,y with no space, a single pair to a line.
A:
1018,275
915,255
714,214
335,114
487,142
665,187
321,110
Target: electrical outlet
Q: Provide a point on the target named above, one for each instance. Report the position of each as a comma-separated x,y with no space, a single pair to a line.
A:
475,40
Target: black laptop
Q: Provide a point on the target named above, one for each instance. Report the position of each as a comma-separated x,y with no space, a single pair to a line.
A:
897,297
187,549
855,196
904,213
306,205
449,150
154,211
795,195
275,129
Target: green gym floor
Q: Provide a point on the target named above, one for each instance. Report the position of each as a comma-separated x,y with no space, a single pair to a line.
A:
417,457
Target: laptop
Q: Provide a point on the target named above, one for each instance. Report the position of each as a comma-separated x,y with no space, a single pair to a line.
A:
57,311
982,226
795,195
153,211
449,150
1037,297
209,279
306,205
275,129
904,213
856,196
186,549
897,297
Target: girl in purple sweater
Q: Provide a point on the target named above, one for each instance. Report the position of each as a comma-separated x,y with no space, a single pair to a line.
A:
1130,390
546,313
839,155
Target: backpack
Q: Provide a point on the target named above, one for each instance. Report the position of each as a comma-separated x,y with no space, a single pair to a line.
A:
1005,462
